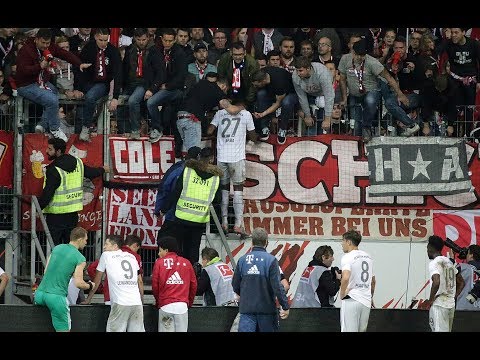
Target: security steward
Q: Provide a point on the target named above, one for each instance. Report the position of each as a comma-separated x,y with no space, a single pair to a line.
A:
62,196
198,188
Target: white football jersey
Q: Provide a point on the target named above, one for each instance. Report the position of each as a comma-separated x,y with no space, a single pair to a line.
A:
360,265
231,134
442,266
122,272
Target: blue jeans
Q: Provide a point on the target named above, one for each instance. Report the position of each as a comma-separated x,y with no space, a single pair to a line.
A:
94,93
319,114
48,99
399,112
190,131
364,109
264,101
136,94
258,323
162,97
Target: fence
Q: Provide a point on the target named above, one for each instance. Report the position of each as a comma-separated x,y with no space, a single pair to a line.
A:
21,116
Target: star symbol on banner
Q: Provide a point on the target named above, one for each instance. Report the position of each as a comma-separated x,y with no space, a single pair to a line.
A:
420,166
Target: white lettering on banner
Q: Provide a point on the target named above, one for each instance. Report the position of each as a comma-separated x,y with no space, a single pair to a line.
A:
288,163
299,221
261,172
393,164
141,160
131,212
451,165
86,219
346,151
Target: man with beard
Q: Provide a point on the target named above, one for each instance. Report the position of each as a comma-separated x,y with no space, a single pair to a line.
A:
62,196
287,49
200,67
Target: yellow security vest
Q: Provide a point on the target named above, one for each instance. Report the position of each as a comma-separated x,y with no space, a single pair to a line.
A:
196,197
68,196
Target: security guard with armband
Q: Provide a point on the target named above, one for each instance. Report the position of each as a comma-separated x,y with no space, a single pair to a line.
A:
196,188
62,196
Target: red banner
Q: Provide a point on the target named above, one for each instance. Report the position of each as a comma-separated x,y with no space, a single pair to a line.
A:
6,158
333,170
35,160
130,211
140,161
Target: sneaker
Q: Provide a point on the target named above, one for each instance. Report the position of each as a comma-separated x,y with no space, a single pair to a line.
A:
134,135
155,135
240,231
409,131
39,129
281,136
59,134
265,133
366,135
85,134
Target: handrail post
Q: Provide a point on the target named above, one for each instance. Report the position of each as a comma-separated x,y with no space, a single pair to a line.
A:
222,236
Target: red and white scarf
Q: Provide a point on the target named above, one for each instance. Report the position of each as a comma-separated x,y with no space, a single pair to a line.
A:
139,71
41,74
100,65
236,77
267,42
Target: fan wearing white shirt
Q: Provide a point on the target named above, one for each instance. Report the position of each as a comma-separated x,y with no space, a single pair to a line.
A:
123,273
357,284
232,131
445,285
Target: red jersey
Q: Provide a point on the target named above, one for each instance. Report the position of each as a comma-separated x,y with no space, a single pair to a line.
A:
173,280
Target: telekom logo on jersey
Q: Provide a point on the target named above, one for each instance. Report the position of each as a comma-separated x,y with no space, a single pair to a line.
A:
168,262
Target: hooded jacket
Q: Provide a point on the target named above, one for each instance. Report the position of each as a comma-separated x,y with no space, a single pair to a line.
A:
68,163
205,171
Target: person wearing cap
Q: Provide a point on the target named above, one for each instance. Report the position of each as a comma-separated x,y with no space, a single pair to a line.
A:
359,73
165,188
197,188
200,67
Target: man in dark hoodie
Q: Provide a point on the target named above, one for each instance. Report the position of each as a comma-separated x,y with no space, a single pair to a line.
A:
62,196
193,195
318,284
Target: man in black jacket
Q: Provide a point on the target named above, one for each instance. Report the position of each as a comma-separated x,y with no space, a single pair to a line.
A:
143,74
62,196
172,88
94,82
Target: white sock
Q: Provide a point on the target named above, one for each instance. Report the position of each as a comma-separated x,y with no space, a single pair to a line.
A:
238,207
224,207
